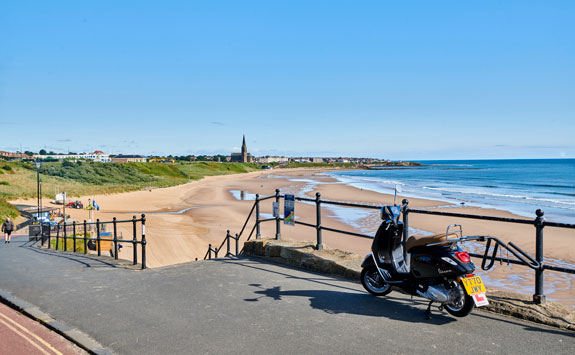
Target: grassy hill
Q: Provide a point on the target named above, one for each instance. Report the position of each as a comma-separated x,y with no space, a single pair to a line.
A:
18,180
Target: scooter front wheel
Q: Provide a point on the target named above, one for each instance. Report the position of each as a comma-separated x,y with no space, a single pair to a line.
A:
373,282
463,304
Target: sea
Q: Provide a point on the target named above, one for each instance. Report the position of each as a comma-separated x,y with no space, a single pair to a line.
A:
520,186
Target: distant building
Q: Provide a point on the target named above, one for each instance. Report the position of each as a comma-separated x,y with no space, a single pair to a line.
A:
162,160
121,158
272,159
244,156
98,156
9,155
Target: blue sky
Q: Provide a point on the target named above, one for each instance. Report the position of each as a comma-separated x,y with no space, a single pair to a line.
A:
401,80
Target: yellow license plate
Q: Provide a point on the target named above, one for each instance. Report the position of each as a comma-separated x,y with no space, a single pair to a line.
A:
473,285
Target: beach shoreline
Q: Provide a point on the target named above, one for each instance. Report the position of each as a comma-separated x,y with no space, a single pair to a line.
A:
183,220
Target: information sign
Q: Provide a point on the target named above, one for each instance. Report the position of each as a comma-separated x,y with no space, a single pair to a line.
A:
289,206
276,211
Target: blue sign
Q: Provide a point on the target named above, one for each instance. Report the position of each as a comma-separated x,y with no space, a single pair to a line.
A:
289,206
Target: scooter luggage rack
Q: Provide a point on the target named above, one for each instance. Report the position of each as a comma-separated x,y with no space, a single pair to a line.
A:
525,258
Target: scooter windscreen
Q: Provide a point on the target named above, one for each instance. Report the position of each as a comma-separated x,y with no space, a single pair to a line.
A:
390,213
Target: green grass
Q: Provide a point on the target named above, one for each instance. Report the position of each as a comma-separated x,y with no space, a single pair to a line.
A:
7,210
69,244
19,180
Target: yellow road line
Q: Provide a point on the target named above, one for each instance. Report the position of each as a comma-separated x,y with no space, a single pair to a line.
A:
25,337
46,344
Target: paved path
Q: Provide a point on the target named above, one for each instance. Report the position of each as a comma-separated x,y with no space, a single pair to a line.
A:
250,306
21,335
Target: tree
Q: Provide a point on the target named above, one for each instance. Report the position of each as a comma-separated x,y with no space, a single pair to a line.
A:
43,152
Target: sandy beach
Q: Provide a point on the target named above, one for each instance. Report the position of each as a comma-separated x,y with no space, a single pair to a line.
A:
183,220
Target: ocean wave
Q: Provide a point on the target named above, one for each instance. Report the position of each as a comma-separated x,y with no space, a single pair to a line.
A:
500,195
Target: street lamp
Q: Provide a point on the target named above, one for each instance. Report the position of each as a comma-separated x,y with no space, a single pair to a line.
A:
38,163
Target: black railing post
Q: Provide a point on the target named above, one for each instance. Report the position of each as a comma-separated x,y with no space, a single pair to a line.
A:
237,243
57,236
85,238
209,251
405,210
539,297
41,235
228,243
49,234
134,240
258,234
115,240
319,245
216,252
98,237
143,241
278,230
65,237
74,236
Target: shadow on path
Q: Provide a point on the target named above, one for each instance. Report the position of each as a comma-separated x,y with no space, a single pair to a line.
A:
335,302
86,260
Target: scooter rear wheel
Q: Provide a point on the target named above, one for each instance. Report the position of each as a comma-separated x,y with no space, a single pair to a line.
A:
462,306
373,282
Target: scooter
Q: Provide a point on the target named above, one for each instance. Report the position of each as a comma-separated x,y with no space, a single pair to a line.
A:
435,268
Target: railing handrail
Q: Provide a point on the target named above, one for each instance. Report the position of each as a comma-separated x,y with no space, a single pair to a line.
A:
83,235
522,258
491,218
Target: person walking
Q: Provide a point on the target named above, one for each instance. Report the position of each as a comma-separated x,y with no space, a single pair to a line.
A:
7,228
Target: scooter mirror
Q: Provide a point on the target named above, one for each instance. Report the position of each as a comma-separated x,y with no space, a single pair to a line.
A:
397,189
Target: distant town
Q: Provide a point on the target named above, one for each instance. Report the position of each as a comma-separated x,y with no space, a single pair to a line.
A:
241,157
100,156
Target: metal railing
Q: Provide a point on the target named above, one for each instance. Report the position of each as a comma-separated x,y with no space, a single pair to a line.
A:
539,223
83,233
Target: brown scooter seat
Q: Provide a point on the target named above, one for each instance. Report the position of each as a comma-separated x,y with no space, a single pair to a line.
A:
417,241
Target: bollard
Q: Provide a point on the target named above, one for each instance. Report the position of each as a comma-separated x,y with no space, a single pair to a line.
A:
143,241
57,236
74,236
134,240
258,234
539,297
237,243
278,230
115,239
98,237
85,238
319,245
228,243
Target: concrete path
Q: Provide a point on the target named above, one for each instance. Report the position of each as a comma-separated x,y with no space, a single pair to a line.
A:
249,306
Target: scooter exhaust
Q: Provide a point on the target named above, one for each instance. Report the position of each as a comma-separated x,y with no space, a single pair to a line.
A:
434,293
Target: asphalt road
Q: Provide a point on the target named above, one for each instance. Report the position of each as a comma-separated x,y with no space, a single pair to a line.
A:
250,306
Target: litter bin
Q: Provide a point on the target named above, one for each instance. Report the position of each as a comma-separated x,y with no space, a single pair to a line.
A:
34,232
